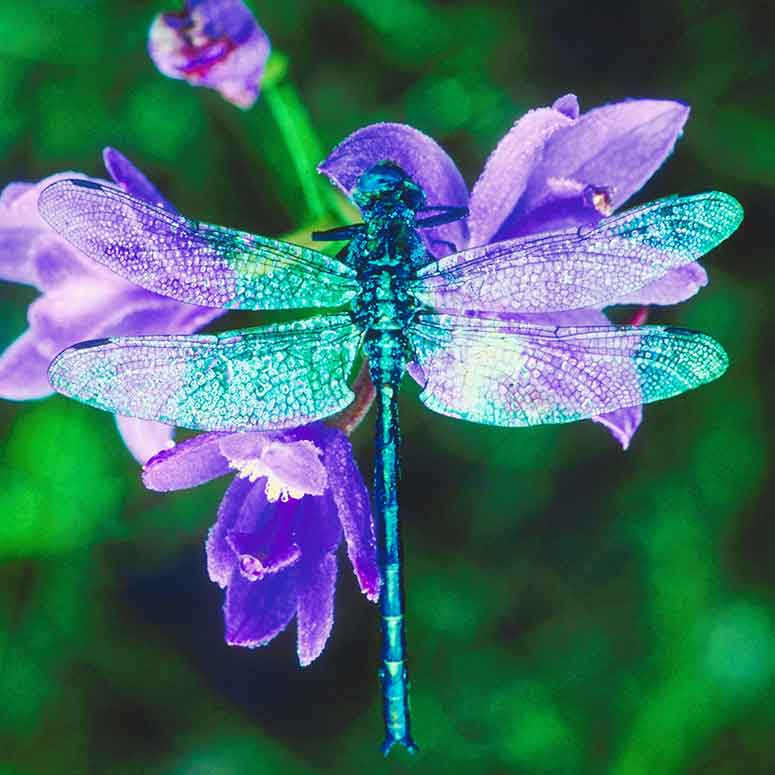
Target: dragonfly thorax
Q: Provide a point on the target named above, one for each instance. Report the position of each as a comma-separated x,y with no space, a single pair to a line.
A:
385,256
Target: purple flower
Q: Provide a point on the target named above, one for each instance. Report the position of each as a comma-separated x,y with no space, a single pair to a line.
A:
280,523
213,43
555,168
79,298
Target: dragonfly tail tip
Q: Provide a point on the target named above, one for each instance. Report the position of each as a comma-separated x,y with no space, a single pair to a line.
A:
405,741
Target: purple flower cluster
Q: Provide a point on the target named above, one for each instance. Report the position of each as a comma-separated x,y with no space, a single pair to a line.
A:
296,494
554,168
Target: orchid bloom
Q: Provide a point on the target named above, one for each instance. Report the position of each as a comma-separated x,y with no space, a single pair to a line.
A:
80,299
555,168
213,43
295,495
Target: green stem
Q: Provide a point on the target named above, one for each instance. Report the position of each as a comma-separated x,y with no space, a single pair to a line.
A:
293,122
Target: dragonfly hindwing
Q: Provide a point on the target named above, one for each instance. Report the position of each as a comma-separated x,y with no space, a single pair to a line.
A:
514,374
272,377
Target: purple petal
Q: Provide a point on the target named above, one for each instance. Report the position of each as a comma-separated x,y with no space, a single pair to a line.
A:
138,312
576,317
508,171
213,43
144,438
618,146
242,446
257,611
317,530
223,17
266,551
131,180
571,204
222,563
297,464
188,464
677,285
354,512
12,192
24,234
622,423
422,158
56,263
17,260
191,318
263,537
76,311
90,308
24,370
315,614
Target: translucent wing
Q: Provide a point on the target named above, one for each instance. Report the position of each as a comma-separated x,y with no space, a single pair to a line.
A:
190,261
272,377
513,374
585,267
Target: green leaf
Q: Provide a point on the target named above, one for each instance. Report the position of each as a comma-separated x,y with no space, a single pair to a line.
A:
62,480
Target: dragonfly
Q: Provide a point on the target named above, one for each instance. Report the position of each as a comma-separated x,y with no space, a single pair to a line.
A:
464,320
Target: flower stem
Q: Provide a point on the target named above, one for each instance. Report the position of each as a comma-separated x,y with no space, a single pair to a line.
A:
350,418
293,122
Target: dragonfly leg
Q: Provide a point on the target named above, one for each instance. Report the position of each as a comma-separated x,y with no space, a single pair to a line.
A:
444,214
447,244
339,233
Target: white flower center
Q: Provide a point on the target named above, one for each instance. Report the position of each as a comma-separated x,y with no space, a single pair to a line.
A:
292,470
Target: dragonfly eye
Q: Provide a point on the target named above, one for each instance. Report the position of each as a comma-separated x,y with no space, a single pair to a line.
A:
380,179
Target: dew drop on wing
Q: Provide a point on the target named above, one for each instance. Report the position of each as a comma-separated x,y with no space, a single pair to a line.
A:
85,183
89,343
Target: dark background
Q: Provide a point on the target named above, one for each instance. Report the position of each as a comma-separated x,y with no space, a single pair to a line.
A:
572,608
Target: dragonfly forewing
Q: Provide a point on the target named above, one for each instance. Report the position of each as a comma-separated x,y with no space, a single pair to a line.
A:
513,374
585,267
211,266
266,378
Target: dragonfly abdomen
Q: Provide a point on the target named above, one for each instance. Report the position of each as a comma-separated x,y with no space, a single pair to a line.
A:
385,352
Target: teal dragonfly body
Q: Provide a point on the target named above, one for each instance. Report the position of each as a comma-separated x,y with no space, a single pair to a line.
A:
386,255
468,325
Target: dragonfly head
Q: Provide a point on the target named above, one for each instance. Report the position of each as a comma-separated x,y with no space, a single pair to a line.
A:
387,182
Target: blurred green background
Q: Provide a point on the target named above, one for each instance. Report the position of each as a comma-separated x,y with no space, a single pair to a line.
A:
571,608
